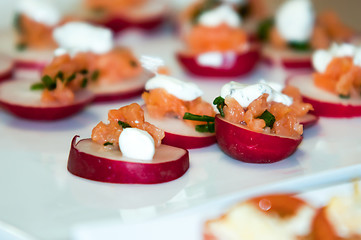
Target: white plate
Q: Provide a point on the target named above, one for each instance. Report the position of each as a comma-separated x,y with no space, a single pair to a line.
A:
40,197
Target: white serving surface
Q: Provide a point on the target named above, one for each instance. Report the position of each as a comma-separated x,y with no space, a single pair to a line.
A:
43,200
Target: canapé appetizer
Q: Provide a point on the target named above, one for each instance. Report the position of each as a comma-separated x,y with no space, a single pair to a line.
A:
258,124
122,14
127,150
334,89
169,102
296,30
116,72
279,216
216,45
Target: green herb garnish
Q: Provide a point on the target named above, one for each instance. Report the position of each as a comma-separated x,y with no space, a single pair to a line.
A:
201,118
60,75
264,29
17,23
21,46
219,102
268,118
133,63
84,83
300,46
124,124
84,71
209,127
107,143
71,78
95,75
37,86
344,96
48,82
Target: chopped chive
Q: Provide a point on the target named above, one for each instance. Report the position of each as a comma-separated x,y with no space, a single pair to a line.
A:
107,143
194,117
133,63
17,23
48,82
124,124
37,86
219,102
344,96
71,78
264,29
84,71
300,46
84,83
21,46
209,127
268,118
60,75
95,75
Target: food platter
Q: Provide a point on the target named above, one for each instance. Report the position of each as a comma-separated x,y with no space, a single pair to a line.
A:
41,198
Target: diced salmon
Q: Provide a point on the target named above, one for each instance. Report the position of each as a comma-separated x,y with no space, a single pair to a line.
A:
319,38
276,40
286,123
341,77
337,30
131,114
160,103
113,6
299,108
221,38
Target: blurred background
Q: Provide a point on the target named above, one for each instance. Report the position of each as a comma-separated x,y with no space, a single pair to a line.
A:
348,10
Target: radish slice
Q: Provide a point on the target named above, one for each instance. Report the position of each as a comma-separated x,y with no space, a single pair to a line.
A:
325,104
6,68
287,58
122,90
147,17
180,134
17,98
90,160
248,146
32,59
308,120
232,64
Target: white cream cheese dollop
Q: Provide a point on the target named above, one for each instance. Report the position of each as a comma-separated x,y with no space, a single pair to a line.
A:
321,58
244,94
295,20
248,222
344,214
75,37
40,10
185,91
221,14
137,144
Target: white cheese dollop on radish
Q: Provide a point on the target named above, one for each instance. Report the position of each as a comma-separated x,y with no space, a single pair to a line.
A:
40,11
222,14
77,37
244,94
185,91
137,144
321,58
295,20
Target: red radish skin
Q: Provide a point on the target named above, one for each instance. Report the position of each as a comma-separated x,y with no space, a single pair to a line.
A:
6,68
325,104
118,24
287,58
308,120
253,147
30,64
179,134
243,64
17,98
123,90
86,160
